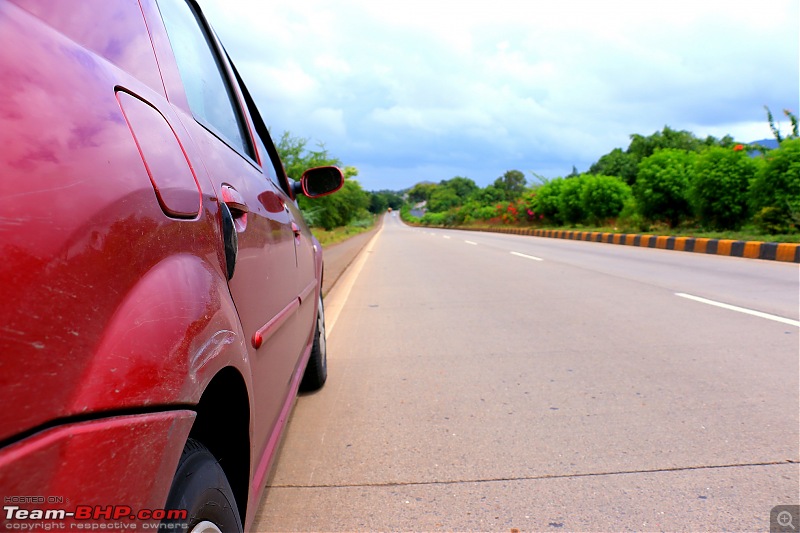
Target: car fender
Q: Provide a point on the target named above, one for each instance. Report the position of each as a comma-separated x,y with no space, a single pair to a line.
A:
176,328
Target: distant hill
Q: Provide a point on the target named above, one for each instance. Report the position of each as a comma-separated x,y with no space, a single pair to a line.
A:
767,143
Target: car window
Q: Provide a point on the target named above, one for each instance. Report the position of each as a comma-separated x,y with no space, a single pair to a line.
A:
273,167
208,91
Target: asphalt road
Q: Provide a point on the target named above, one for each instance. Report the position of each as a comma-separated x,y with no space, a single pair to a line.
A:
495,382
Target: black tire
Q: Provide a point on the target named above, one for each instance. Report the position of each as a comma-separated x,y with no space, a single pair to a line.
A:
317,368
200,487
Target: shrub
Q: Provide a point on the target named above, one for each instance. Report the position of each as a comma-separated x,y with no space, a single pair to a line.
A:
662,185
630,219
773,221
509,212
485,213
570,200
547,201
528,208
472,211
364,219
433,219
777,185
466,213
439,219
719,187
603,197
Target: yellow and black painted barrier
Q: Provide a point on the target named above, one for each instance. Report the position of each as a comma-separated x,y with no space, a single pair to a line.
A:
774,251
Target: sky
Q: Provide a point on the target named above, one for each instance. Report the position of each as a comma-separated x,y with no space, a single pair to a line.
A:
410,91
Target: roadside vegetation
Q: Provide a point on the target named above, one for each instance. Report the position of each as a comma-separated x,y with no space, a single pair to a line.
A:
350,211
667,183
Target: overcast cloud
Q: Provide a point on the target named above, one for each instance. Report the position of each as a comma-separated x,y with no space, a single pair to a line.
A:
411,91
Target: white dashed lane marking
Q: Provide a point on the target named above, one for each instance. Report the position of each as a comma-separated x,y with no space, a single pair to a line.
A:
740,309
526,256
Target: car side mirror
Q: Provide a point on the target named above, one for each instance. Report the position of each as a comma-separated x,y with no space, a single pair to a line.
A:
319,181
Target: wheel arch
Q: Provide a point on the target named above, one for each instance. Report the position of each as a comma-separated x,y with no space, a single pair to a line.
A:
223,426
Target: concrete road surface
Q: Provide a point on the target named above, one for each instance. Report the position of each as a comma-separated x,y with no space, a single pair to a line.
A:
486,382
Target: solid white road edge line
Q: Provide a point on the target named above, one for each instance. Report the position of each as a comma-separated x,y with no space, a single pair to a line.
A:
338,296
740,309
527,256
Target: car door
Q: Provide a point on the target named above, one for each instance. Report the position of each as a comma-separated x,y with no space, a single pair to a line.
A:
306,269
264,275
308,277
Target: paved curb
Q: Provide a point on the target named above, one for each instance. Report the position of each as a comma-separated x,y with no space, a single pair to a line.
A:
773,251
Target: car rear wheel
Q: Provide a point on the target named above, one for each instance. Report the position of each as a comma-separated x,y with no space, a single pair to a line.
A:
317,368
201,488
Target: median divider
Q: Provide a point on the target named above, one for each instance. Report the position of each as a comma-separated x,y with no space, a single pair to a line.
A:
772,251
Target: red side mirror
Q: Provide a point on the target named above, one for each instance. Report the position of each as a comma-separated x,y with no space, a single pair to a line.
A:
321,181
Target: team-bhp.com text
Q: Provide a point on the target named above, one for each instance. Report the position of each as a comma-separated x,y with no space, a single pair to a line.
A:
93,517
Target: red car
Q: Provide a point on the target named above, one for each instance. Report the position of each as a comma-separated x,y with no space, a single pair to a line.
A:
162,292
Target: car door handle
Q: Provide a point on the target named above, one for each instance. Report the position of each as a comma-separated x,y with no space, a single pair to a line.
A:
295,229
236,205
234,201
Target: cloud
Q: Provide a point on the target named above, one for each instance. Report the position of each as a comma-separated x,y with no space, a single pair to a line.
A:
414,90
330,122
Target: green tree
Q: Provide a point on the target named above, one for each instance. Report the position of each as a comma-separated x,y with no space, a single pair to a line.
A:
451,193
487,196
377,203
512,183
719,188
625,164
662,186
381,200
726,142
421,192
642,147
617,163
462,187
443,199
297,158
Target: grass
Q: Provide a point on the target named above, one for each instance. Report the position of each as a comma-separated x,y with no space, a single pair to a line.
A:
329,237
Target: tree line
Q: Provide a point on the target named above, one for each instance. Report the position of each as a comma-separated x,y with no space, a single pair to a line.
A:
670,178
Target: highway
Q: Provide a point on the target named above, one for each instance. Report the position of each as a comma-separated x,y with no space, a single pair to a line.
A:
490,382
